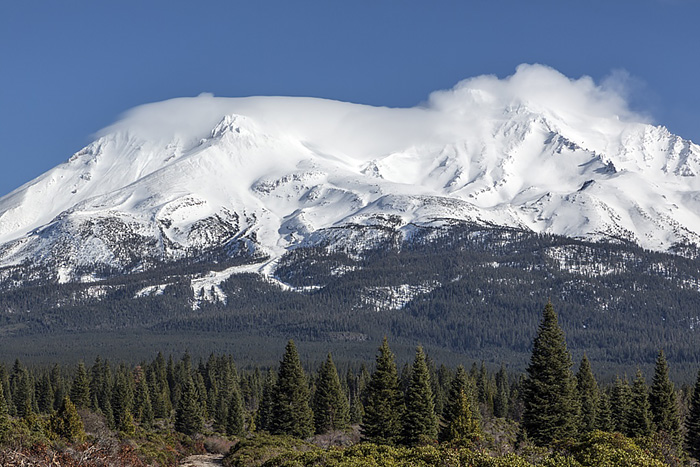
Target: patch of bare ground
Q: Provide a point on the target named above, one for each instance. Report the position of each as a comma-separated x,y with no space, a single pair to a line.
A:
202,460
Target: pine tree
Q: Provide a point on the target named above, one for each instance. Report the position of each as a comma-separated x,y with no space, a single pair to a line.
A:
662,398
549,391
45,395
291,414
692,423
80,389
587,389
235,416
189,416
419,420
66,422
381,423
58,385
483,390
460,422
159,389
603,415
620,404
263,417
330,406
4,415
500,400
23,394
638,421
143,409
122,400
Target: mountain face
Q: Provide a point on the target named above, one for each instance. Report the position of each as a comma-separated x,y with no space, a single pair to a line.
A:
255,177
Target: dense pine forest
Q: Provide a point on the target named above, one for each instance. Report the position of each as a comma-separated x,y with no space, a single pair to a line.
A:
468,291
362,413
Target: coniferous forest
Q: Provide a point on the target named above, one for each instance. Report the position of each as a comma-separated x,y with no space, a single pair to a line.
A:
419,413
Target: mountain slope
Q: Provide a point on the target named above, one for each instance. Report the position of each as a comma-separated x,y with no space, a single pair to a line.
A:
214,178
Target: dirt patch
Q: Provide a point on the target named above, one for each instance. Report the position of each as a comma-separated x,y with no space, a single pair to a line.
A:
203,460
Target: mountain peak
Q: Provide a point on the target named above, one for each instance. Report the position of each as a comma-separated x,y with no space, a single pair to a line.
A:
189,176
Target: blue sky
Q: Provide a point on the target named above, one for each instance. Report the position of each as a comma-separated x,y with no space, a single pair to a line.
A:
69,68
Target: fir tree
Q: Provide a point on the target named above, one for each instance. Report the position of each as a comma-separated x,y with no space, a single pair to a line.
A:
66,422
96,383
549,391
587,389
500,400
419,420
460,422
619,405
692,423
235,416
122,400
4,415
158,388
58,385
143,409
463,428
381,423
291,414
45,395
80,389
638,421
603,414
23,393
482,388
330,406
263,417
189,416
662,398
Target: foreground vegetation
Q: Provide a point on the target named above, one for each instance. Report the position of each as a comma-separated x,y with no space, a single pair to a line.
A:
156,412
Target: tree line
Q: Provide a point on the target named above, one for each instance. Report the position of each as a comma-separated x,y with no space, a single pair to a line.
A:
420,405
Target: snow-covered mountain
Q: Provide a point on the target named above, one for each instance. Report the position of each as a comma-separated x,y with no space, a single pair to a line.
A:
257,176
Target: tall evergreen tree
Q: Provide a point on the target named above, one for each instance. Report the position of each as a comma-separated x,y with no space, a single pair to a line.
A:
662,398
381,423
619,404
330,405
587,389
235,415
45,394
189,416
549,391
419,419
80,389
460,422
263,416
692,423
66,422
122,404
4,415
500,399
143,409
638,420
603,414
158,388
58,385
291,413
23,390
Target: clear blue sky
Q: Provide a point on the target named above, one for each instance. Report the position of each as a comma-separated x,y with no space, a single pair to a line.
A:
69,68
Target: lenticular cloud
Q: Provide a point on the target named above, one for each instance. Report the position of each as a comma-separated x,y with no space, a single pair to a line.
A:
540,88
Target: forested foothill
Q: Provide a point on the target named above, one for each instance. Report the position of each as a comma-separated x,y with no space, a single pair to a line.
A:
415,413
464,291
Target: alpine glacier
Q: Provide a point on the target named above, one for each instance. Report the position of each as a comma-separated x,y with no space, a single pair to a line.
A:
256,176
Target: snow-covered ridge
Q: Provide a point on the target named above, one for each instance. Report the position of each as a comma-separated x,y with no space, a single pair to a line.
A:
257,176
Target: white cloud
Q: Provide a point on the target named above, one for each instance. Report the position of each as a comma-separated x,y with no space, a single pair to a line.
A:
543,89
360,131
